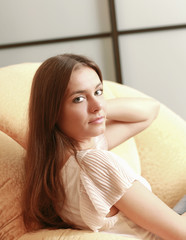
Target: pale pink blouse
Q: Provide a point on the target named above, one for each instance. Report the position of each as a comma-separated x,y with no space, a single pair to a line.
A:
93,184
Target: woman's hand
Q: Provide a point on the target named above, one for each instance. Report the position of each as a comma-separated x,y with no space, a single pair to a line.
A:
127,117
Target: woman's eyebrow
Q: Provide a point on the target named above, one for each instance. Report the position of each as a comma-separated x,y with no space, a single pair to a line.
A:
83,91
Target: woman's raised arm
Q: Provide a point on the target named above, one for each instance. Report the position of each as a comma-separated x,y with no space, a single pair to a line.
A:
127,117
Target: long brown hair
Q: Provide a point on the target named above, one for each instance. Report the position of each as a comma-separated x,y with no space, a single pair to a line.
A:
46,143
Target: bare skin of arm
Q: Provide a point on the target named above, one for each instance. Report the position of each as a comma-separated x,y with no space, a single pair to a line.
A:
127,117
148,211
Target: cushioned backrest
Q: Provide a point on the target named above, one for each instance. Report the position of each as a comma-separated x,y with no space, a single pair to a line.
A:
162,147
15,83
11,182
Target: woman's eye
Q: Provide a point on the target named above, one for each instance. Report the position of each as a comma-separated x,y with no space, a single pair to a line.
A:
99,92
78,99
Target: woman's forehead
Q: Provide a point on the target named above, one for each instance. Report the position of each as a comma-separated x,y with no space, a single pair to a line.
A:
83,78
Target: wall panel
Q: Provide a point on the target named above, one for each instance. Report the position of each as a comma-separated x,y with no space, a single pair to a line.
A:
155,63
22,21
100,50
134,14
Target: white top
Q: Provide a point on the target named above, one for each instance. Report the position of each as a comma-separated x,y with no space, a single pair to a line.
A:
94,182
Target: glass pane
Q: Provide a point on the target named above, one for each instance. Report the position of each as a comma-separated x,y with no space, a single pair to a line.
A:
155,63
22,20
132,14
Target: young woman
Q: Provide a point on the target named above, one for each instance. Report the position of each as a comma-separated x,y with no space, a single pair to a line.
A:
71,177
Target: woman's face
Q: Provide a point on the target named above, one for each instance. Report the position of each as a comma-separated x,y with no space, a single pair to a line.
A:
83,110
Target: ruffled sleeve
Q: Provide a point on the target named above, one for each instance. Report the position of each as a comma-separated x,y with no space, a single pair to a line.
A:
104,179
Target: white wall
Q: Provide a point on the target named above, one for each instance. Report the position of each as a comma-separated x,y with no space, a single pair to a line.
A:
132,14
154,62
25,21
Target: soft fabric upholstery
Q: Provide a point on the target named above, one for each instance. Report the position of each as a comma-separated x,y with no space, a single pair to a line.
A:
161,147
15,83
11,181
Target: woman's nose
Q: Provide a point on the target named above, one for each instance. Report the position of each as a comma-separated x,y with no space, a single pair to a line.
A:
95,105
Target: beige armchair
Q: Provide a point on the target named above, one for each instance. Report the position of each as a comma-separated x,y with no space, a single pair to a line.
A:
158,153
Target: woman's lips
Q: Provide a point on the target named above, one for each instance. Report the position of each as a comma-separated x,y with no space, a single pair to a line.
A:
97,120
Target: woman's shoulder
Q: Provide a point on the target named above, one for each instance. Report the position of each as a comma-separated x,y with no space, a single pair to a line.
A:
96,158
90,154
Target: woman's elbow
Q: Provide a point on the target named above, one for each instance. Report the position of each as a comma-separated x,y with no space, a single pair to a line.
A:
154,112
156,109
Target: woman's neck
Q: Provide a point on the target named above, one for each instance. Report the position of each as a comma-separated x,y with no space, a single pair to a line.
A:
86,144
